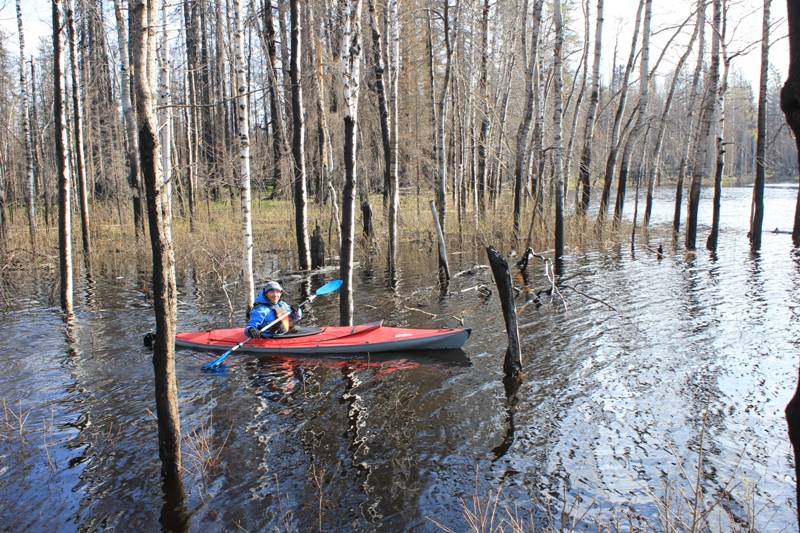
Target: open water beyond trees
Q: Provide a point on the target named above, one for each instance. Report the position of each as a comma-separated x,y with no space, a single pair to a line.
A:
655,363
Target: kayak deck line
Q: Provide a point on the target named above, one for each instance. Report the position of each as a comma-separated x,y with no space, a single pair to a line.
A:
373,337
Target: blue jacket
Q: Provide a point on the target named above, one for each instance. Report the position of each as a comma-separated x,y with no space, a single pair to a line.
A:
265,312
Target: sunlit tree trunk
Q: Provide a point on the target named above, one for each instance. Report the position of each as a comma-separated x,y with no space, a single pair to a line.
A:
713,237
276,113
441,121
62,161
394,185
36,146
701,149
579,100
523,134
30,181
383,104
584,187
144,23
323,136
193,136
77,130
761,140
483,89
557,163
243,130
351,81
298,145
164,104
687,142
644,84
614,141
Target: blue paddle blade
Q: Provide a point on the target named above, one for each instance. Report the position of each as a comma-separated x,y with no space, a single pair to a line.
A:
329,287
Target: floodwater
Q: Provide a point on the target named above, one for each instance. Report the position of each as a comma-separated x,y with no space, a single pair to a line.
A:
655,363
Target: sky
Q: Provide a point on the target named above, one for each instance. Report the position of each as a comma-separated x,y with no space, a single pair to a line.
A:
744,21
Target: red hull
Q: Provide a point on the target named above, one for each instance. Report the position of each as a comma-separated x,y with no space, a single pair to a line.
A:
372,338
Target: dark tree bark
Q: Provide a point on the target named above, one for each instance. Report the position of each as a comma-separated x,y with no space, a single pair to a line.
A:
483,94
278,138
584,189
790,104
30,180
512,364
62,162
761,140
557,115
144,23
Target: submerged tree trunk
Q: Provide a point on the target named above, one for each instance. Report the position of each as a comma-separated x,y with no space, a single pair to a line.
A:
584,188
701,149
62,162
761,140
790,105
351,76
243,129
713,237
557,162
144,22
298,145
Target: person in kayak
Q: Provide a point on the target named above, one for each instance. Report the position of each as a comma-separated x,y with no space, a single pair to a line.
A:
267,308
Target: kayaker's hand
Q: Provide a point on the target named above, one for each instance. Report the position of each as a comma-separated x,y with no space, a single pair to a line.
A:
295,308
253,332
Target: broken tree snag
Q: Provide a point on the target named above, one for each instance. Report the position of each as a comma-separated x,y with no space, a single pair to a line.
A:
512,366
317,249
444,268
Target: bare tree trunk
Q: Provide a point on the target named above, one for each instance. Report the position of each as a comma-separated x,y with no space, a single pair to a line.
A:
30,182
584,187
194,135
654,171
383,105
62,162
701,21
323,137
520,174
441,121
298,145
36,146
584,65
243,129
278,137
394,185
614,141
761,141
3,214
644,84
557,116
790,105
701,149
351,80
483,85
713,237
143,32
77,130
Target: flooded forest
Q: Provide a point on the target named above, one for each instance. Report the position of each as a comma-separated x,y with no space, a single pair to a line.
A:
631,166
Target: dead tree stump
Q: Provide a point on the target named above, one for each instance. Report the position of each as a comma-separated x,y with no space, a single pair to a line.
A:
317,249
512,365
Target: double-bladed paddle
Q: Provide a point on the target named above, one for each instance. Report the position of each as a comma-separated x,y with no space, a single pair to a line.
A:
328,288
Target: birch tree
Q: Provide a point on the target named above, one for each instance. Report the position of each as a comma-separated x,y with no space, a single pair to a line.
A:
243,130
298,143
30,182
713,236
584,187
144,22
701,149
394,185
441,120
62,162
351,81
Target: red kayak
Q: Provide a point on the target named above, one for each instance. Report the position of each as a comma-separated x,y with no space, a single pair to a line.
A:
372,338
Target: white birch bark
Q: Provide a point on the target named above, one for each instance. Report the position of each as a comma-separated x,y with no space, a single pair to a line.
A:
557,117
243,130
62,162
30,182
